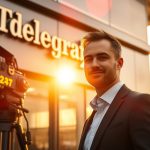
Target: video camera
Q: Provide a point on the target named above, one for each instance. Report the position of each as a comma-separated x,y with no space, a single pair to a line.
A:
13,84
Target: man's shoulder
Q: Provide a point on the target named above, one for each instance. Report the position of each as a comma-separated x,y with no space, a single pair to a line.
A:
139,95
135,93
138,99
134,96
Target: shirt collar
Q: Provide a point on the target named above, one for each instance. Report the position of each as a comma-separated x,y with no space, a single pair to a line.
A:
108,96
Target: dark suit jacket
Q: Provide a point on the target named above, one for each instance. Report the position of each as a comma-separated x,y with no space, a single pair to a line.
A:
126,124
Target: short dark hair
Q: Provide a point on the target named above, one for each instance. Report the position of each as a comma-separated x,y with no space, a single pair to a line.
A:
100,35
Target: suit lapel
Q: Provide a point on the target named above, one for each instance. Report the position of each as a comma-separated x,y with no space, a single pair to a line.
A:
85,129
118,100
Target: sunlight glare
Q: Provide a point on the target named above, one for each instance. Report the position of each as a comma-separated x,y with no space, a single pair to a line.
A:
66,75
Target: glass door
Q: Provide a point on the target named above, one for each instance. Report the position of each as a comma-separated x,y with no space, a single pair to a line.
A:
37,103
71,116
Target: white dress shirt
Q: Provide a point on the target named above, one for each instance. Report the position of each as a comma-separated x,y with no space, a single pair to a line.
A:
101,105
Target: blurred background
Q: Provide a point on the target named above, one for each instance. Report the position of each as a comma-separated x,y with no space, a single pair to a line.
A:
59,95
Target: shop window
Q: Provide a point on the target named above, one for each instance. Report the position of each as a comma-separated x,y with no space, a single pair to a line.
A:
37,104
90,94
71,116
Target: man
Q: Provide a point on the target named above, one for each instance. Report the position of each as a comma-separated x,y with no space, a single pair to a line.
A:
121,117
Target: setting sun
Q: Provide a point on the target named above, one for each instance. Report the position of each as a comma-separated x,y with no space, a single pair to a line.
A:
66,75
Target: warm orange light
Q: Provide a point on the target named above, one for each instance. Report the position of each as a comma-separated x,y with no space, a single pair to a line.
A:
67,117
148,35
88,111
148,41
30,90
38,120
66,75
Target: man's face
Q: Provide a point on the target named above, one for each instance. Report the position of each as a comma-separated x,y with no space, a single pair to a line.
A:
101,67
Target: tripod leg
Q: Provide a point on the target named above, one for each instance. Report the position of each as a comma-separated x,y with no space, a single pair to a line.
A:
0,140
5,140
6,136
21,137
5,129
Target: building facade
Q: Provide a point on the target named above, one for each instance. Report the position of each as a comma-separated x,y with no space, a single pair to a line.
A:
44,36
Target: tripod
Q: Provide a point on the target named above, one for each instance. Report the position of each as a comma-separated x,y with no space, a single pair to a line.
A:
9,125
